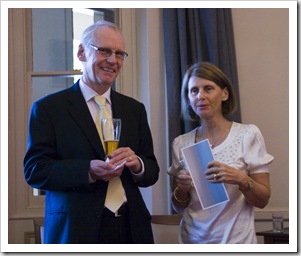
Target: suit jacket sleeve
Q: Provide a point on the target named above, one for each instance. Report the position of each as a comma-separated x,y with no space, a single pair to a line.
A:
61,142
136,134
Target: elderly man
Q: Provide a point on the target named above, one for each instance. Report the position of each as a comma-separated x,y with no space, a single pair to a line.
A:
66,157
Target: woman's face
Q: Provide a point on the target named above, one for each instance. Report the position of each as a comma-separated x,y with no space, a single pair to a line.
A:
206,97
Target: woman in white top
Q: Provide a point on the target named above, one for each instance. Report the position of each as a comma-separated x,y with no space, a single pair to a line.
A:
241,163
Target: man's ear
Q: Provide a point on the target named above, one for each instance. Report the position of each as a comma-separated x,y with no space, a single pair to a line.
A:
81,53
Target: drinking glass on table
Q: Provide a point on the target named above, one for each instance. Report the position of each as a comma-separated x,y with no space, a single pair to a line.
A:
111,128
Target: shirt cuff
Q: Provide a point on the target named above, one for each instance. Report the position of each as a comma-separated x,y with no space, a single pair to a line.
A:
140,174
91,180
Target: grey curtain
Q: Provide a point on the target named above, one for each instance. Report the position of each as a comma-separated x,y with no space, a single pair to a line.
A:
192,35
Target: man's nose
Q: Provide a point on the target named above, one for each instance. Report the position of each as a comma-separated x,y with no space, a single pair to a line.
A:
112,58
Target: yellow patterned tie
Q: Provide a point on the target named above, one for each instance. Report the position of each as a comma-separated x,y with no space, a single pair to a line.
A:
115,191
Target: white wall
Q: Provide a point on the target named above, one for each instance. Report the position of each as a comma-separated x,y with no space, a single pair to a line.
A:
151,91
262,48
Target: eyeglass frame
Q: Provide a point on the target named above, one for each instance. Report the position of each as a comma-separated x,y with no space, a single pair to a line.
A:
107,52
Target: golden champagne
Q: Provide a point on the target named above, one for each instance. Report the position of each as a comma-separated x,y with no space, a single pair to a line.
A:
111,145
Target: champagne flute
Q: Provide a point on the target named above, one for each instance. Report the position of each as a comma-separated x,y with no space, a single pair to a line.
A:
111,128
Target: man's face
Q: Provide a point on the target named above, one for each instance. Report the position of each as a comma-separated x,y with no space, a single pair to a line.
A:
101,71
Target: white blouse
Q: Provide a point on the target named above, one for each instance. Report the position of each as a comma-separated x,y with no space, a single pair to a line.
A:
231,222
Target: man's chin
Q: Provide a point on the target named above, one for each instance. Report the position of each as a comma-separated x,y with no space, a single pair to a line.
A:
106,82
108,78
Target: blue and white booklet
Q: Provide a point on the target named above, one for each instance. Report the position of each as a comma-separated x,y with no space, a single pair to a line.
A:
196,159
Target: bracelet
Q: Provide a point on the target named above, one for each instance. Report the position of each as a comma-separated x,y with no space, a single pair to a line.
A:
177,199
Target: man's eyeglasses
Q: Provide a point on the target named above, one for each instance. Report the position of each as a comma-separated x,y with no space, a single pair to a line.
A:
107,52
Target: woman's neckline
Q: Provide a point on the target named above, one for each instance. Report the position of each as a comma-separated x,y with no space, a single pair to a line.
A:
215,138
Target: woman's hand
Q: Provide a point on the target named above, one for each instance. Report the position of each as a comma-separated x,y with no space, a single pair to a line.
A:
181,196
257,195
219,172
184,181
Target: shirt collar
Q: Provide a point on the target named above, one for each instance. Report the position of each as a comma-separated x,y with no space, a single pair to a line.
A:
89,93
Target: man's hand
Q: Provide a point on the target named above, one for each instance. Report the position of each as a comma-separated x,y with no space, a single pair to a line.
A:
126,154
100,170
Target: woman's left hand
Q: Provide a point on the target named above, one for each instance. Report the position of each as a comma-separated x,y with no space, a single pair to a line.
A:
257,196
219,172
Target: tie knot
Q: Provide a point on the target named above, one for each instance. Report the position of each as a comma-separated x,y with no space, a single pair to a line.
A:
100,100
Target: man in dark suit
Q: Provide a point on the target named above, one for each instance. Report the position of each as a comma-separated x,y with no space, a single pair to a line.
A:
65,156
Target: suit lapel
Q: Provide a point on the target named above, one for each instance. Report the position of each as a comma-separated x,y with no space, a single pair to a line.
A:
80,113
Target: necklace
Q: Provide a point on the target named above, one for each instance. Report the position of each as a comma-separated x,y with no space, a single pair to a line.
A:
215,138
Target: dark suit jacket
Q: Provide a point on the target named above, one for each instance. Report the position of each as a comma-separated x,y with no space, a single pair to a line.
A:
62,141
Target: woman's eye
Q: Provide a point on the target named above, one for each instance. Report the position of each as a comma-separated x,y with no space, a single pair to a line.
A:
194,91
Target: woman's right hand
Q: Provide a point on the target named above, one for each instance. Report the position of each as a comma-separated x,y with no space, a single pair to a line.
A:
184,181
